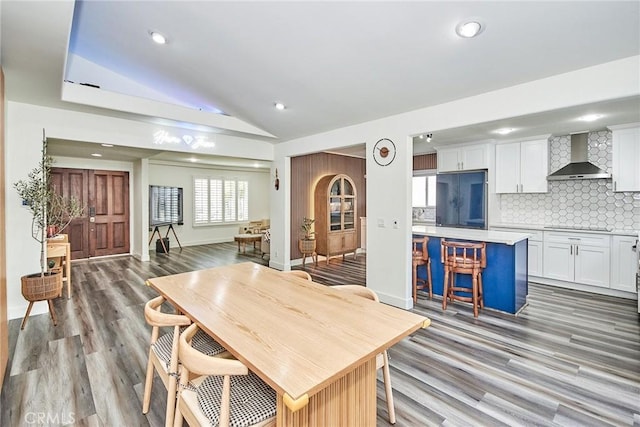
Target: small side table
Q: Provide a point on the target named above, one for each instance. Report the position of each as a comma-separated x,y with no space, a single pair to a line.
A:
243,239
61,250
308,248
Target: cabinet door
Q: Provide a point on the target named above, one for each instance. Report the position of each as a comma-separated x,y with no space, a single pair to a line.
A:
474,157
508,168
592,265
534,166
626,159
623,263
558,261
535,258
350,241
448,160
335,243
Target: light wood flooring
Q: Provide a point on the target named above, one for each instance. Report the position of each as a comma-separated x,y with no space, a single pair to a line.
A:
570,358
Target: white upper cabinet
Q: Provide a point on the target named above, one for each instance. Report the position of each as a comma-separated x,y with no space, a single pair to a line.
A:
626,158
467,157
522,167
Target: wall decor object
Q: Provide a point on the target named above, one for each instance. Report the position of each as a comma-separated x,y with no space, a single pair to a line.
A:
277,181
384,152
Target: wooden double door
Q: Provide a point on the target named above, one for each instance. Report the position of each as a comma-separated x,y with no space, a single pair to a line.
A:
103,228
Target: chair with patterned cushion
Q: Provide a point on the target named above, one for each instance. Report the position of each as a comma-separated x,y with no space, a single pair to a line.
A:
382,359
163,352
224,392
300,273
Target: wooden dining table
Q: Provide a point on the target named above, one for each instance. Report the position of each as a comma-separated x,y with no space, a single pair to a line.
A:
314,345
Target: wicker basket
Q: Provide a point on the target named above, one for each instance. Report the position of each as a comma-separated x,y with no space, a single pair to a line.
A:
36,287
307,246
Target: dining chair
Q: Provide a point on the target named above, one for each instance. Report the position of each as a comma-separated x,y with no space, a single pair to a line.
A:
382,359
163,352
300,273
224,392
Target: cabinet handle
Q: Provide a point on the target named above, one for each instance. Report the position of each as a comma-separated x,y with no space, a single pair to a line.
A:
522,188
614,185
576,250
517,188
571,250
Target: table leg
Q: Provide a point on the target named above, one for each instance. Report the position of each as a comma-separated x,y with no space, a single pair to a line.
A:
349,401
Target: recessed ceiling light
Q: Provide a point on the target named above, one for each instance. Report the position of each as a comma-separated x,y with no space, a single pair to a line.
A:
504,131
468,29
280,106
193,160
256,165
590,117
158,38
96,154
107,145
429,137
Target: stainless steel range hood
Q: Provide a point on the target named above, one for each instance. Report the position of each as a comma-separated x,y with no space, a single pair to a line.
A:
579,168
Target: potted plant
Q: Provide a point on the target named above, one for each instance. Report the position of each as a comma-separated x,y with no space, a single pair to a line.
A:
307,243
50,212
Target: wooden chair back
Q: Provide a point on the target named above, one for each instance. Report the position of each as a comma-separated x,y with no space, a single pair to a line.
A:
463,255
419,249
300,273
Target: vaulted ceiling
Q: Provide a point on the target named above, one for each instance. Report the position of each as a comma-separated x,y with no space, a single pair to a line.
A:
332,64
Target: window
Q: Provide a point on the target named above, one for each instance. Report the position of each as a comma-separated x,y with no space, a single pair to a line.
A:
424,191
220,200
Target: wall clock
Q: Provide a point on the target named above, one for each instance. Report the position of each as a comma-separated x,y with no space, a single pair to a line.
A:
384,152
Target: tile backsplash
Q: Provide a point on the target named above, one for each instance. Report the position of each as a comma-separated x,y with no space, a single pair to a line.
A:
583,203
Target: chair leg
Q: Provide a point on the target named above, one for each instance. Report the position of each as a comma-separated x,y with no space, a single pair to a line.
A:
445,289
52,312
26,316
414,283
171,401
387,388
481,292
475,294
429,279
148,384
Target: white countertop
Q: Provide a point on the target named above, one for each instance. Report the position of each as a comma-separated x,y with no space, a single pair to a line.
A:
504,237
540,227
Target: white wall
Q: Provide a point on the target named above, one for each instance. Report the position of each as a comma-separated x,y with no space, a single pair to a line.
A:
388,188
24,124
179,175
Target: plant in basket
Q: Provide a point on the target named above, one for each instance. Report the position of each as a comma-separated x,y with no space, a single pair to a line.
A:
51,213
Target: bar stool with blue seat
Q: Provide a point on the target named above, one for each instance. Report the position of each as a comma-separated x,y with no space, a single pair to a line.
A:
463,258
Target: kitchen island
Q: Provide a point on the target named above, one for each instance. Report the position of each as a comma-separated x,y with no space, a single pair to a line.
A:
505,277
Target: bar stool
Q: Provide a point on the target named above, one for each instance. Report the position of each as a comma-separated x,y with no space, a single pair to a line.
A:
420,256
463,258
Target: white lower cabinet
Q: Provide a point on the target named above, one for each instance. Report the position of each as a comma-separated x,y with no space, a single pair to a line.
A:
579,258
623,263
534,249
535,258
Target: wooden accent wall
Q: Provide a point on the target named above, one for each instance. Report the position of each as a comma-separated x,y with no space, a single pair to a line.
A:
425,161
306,171
4,330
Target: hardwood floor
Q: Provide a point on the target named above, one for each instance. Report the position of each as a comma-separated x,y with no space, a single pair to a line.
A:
569,358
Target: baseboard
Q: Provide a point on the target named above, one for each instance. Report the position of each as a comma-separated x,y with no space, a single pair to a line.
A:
18,312
584,288
404,303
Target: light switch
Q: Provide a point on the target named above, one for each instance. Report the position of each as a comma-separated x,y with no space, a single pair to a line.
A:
381,222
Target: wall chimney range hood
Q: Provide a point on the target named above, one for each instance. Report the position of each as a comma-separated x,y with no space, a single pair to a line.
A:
579,168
